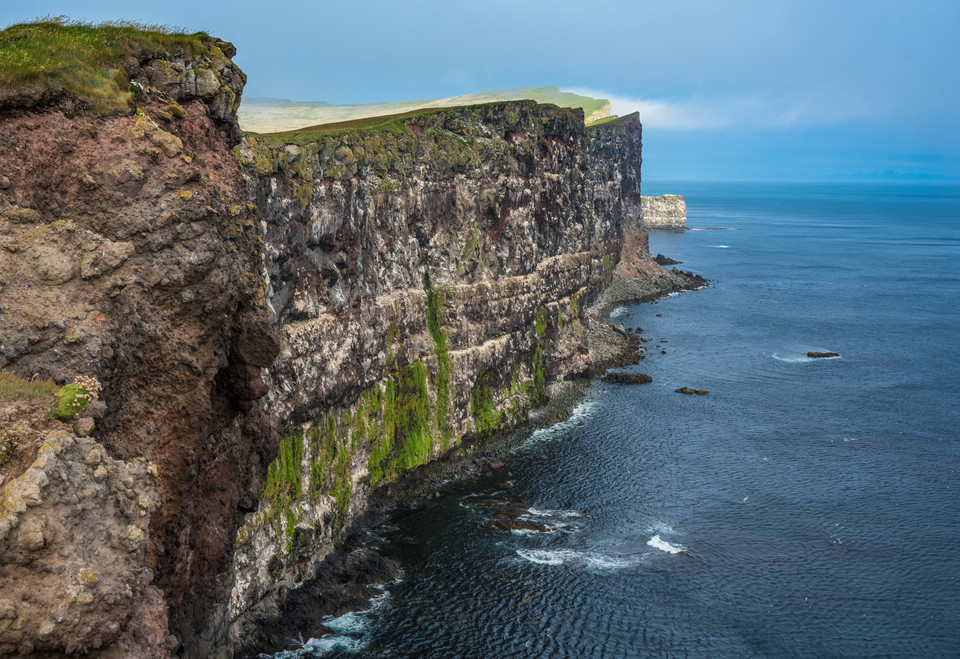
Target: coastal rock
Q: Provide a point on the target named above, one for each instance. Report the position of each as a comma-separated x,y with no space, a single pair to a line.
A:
688,390
663,260
626,378
666,212
822,355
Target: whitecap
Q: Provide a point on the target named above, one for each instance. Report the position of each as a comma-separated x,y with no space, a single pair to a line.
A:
658,543
582,411
547,556
605,562
619,311
721,246
536,512
588,560
800,359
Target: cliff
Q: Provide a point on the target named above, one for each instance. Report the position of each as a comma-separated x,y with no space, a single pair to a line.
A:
130,253
667,211
381,293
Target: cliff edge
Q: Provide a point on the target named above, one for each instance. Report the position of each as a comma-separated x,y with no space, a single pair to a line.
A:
284,326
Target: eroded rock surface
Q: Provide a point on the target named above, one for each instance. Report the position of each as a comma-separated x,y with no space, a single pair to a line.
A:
74,535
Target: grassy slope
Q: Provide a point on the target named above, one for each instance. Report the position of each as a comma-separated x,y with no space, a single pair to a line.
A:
85,61
271,115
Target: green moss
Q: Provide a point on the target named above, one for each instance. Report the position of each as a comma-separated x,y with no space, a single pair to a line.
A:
284,479
486,417
85,61
539,374
435,299
71,399
405,438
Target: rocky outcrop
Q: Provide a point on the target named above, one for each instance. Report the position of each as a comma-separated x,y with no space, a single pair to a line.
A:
689,391
626,378
822,355
393,292
129,252
665,260
73,538
666,212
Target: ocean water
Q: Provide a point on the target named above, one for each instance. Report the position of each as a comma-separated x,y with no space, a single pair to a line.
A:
802,508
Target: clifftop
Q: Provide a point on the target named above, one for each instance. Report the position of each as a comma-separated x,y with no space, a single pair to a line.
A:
271,115
85,67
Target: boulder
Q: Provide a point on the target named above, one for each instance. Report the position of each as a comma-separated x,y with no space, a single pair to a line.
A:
822,355
665,260
626,378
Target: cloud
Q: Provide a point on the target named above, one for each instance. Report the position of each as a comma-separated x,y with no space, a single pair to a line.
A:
753,111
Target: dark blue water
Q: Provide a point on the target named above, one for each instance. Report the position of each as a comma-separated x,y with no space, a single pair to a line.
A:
801,508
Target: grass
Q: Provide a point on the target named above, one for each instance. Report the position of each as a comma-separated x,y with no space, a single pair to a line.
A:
615,120
13,388
274,115
84,60
392,123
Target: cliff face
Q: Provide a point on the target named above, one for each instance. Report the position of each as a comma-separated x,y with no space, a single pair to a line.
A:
667,211
427,282
129,253
381,293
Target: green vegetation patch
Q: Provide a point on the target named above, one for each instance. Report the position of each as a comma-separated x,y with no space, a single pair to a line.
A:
615,122
84,61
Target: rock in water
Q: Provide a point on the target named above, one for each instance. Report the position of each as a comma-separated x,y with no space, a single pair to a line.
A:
665,260
626,378
822,355
688,390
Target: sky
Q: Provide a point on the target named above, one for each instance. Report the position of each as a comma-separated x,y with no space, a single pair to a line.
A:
727,90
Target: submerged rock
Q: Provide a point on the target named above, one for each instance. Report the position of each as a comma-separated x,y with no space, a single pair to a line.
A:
688,390
626,378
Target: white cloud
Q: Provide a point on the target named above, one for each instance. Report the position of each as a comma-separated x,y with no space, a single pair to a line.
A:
755,111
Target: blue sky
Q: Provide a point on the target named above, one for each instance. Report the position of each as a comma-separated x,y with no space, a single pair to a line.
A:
738,89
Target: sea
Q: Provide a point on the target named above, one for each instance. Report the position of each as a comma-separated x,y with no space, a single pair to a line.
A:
802,508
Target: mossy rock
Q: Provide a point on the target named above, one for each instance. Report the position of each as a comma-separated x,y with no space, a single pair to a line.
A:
71,399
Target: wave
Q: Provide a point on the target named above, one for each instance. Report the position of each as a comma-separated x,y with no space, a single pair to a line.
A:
351,631
721,246
619,311
584,410
566,514
800,359
546,529
590,560
547,556
659,543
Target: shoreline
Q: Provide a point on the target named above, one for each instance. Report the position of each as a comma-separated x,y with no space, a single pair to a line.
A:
351,578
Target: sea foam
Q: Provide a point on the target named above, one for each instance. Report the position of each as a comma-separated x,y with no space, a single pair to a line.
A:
588,559
659,543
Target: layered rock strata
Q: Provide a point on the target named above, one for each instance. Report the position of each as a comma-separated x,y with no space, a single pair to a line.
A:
427,280
382,294
667,212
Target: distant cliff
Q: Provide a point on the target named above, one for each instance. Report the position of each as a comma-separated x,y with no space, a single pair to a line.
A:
283,326
667,211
